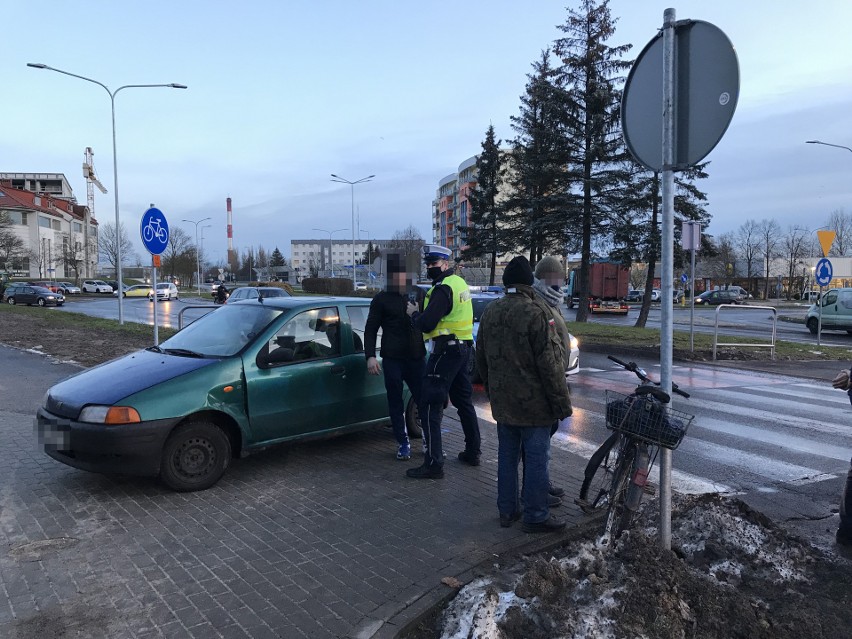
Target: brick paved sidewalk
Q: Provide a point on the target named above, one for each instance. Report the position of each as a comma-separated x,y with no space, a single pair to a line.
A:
324,539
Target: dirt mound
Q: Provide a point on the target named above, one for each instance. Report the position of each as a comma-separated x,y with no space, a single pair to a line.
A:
730,573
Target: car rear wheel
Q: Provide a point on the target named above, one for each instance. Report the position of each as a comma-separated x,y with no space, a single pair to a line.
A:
10,300
195,456
412,420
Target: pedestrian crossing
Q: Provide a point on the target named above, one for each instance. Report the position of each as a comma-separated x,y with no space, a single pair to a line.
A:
752,431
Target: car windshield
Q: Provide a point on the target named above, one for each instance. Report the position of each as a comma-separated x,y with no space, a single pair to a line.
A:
223,332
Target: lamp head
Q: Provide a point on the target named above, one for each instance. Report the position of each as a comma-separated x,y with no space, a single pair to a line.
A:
36,65
175,85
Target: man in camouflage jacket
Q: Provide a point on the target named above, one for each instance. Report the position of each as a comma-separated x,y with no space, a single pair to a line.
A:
519,356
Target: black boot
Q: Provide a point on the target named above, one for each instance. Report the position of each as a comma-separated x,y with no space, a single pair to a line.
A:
425,472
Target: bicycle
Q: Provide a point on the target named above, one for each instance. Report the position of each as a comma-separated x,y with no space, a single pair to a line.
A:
616,476
153,229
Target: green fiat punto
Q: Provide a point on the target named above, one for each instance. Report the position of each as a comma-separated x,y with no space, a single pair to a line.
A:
241,378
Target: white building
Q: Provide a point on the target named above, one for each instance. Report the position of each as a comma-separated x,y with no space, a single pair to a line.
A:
325,255
60,238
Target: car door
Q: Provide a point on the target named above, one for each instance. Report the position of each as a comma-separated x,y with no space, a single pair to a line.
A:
368,399
306,389
26,295
829,309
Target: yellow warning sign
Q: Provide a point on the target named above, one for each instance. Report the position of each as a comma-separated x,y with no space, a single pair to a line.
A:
826,239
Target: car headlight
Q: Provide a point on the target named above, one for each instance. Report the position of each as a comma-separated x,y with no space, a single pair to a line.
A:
110,415
574,342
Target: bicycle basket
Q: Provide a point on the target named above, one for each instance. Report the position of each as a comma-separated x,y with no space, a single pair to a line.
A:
646,418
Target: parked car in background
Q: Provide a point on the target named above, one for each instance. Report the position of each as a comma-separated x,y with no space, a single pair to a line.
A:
30,295
836,311
480,303
96,286
237,380
255,292
137,290
360,286
165,291
714,298
634,295
50,286
67,288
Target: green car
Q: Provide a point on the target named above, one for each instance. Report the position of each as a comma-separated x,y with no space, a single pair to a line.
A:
239,379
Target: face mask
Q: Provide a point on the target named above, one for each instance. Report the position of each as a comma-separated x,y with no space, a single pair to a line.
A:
434,272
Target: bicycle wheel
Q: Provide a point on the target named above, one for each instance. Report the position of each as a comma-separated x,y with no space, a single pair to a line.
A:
594,491
619,515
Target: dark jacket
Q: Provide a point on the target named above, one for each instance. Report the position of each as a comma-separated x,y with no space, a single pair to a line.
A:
400,339
519,357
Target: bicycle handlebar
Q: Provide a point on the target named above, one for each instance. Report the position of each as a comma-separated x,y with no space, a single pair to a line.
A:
632,367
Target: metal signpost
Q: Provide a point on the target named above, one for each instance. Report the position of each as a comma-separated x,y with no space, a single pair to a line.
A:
154,230
823,274
678,101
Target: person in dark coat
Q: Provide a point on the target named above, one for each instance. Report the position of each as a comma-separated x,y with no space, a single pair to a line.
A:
519,356
843,381
402,349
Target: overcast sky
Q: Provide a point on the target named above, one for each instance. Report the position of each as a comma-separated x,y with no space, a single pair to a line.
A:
283,93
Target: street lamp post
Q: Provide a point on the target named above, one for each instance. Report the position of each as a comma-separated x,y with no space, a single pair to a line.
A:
201,252
337,178
197,250
112,94
330,233
836,146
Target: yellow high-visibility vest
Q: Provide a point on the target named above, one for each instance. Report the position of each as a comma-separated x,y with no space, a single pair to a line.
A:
459,321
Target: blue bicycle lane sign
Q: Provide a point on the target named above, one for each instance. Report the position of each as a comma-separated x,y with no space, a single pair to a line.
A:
154,230
823,272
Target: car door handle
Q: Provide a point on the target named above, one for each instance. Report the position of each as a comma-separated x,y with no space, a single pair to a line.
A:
338,370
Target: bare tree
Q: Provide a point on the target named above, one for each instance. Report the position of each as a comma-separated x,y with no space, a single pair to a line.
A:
795,248
109,241
73,255
770,239
11,245
179,256
407,241
638,276
747,243
722,264
841,223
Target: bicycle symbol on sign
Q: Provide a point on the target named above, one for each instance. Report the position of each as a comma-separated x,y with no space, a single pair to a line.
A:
153,229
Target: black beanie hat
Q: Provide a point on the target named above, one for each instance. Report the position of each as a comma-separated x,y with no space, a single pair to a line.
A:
518,271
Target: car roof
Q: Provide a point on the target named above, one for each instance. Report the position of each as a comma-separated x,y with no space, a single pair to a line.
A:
287,303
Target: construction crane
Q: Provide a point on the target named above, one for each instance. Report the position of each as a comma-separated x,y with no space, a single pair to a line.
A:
91,181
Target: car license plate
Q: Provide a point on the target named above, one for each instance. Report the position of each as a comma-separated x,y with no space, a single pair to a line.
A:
53,436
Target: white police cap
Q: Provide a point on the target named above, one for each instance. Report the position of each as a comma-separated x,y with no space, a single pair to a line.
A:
432,252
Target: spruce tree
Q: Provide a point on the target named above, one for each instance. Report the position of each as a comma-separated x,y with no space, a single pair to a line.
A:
538,174
591,81
276,259
487,235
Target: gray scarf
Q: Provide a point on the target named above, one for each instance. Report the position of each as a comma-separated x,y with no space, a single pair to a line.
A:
552,297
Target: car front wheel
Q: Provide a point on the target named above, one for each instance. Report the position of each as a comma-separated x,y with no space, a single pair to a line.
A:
412,420
195,456
41,301
813,325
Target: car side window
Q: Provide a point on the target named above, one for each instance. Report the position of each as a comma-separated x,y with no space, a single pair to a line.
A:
358,322
845,299
313,334
830,298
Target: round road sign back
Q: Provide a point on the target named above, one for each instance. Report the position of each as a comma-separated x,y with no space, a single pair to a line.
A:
707,86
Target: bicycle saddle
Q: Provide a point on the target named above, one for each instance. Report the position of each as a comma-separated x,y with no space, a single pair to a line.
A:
655,391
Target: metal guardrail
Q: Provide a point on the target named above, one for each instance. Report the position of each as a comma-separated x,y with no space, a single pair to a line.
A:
771,345
211,307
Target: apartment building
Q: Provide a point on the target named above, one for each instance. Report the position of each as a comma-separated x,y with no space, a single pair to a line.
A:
325,255
60,238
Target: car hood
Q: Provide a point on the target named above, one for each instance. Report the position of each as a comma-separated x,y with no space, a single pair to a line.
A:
109,383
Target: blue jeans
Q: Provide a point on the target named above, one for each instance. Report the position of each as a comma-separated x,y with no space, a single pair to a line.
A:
446,375
396,372
535,443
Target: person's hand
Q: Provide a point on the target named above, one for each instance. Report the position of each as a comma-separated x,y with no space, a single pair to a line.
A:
841,380
373,366
411,309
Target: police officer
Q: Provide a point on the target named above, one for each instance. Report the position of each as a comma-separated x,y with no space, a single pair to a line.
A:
447,326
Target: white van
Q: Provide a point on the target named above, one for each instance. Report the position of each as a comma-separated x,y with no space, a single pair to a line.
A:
742,294
836,311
